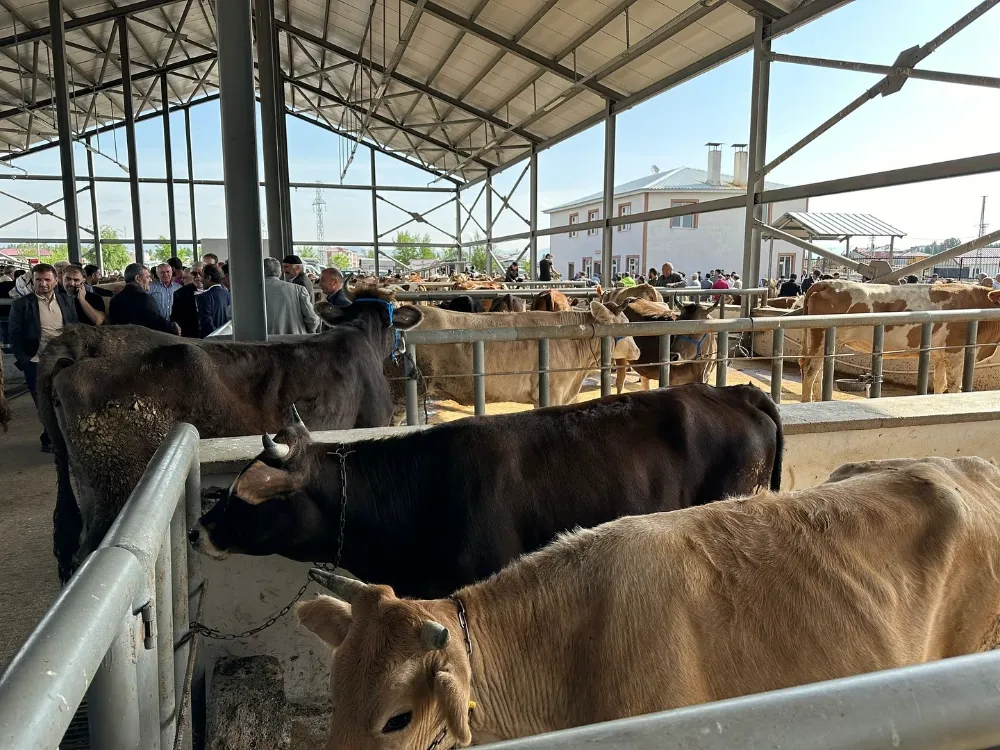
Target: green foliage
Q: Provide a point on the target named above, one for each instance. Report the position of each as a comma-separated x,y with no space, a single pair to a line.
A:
340,260
307,251
937,247
116,257
410,247
163,252
477,253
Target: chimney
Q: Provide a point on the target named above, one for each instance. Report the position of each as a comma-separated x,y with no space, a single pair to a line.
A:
714,163
741,162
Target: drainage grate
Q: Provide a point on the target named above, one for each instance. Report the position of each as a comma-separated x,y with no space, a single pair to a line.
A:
77,736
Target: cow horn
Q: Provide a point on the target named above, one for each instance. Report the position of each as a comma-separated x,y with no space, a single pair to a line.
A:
278,450
343,588
296,419
433,635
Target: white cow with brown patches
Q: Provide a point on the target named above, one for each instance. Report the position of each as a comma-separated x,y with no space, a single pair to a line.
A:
902,341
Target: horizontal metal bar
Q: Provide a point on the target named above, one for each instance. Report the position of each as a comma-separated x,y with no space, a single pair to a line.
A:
446,294
951,704
860,67
685,327
49,676
186,181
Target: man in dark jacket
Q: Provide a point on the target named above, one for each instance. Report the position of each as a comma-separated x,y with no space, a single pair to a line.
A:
513,273
134,305
213,303
35,319
790,288
185,311
545,268
291,267
808,281
89,306
331,281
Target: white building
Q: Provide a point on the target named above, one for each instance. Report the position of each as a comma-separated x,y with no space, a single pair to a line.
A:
692,243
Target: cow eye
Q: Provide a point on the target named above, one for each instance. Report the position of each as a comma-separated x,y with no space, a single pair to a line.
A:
398,722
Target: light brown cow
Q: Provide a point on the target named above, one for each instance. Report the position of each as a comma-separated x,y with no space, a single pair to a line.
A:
901,342
640,291
447,368
887,564
551,300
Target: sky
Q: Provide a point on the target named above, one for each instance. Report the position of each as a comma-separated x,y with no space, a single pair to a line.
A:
925,122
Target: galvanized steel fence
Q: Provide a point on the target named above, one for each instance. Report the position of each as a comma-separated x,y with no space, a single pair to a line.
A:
118,632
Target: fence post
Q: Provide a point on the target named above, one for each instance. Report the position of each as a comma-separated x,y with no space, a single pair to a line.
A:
969,365
878,344
543,372
478,379
829,350
924,360
179,580
164,601
722,307
607,347
777,363
665,360
113,696
410,385
192,584
721,358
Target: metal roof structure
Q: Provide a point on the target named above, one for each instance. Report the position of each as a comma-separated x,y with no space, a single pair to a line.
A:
679,179
458,87
834,226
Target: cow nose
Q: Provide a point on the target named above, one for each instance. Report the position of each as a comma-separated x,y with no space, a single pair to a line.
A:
193,536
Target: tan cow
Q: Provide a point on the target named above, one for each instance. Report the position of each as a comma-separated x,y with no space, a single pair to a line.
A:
887,564
902,341
551,300
640,291
447,368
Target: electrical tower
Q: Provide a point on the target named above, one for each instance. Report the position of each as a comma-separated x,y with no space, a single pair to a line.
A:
982,218
319,206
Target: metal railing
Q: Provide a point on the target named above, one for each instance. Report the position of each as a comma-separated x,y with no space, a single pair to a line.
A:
952,704
118,632
721,330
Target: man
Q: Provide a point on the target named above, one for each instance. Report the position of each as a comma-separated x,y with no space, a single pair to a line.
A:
35,319
89,306
210,259
810,280
177,267
331,281
545,268
289,306
5,273
185,310
790,288
133,304
162,289
213,303
291,266
513,273
92,277
669,278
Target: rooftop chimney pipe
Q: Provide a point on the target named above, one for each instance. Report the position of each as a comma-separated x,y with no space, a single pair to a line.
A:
741,163
714,163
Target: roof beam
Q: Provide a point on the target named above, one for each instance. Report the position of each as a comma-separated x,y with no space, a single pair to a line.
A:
405,80
766,8
518,50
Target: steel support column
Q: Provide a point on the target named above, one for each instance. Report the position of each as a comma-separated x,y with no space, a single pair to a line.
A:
95,216
168,160
133,158
756,156
374,212
272,106
533,208
65,128
195,255
607,236
489,223
239,159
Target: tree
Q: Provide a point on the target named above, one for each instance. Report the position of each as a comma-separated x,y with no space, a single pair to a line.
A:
409,247
116,257
308,251
340,260
162,252
477,253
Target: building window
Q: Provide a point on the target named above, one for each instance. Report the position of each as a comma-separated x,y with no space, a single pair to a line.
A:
616,264
571,271
786,265
597,268
573,219
683,222
632,265
624,209
593,216
588,267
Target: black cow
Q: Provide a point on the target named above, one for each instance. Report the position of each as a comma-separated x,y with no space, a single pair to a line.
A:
109,395
508,303
462,303
429,512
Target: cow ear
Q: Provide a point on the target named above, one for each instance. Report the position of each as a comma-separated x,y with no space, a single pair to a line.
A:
454,705
994,297
327,617
261,482
601,313
330,313
406,317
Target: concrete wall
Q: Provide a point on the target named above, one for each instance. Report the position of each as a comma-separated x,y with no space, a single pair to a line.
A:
242,592
716,241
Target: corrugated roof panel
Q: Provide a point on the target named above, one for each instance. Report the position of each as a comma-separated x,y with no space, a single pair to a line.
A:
834,225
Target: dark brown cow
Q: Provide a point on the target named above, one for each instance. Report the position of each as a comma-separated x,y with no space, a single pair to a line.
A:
507,303
5,413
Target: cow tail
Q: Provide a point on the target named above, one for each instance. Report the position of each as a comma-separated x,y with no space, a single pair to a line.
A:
765,404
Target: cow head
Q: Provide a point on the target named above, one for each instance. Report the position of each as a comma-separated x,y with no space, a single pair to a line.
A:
380,317
415,684
625,347
272,506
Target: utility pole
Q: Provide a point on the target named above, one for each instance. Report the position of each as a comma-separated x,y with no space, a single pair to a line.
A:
982,231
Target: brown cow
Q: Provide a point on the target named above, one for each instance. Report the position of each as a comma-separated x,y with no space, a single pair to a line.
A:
551,300
901,341
506,303
640,291
887,564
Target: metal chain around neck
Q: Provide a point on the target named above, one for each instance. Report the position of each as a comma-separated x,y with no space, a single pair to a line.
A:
198,627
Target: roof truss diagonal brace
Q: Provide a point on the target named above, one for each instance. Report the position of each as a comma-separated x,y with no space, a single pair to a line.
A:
505,199
965,247
417,217
890,84
514,48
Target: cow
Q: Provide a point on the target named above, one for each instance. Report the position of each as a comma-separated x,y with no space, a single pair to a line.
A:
466,284
901,341
551,300
887,564
640,291
446,369
525,477
694,354
463,303
5,412
109,395
508,303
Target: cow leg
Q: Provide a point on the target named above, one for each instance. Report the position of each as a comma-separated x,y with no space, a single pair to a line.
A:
952,378
622,365
645,382
810,363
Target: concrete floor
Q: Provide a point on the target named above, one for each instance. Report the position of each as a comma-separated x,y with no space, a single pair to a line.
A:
28,580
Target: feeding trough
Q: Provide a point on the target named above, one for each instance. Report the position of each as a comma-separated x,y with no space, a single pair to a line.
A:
854,385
